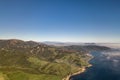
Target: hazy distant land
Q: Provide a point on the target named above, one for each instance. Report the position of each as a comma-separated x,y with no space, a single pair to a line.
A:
112,45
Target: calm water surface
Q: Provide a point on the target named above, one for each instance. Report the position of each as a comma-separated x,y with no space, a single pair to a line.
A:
106,66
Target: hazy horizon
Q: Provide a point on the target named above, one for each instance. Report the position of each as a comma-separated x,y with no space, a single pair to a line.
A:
61,20
60,41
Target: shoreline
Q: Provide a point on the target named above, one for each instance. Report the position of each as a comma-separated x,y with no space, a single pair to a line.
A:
81,70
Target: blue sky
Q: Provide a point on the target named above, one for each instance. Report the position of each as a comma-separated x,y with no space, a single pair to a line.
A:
60,20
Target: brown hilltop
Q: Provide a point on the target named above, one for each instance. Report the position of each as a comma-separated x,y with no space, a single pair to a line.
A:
18,43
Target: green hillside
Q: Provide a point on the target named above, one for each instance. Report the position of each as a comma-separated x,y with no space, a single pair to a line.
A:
20,60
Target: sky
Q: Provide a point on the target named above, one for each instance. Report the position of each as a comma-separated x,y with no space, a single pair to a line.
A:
60,20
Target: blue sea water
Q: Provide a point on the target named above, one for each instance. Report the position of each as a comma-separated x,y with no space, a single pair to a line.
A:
105,66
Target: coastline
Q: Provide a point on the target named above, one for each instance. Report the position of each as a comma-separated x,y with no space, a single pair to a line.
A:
81,70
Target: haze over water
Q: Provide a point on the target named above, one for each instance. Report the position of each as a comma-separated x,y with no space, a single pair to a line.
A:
87,21
105,66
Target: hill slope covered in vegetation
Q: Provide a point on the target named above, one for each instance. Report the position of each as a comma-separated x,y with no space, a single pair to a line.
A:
28,60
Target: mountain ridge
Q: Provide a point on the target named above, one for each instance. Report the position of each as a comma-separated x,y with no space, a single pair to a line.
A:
29,58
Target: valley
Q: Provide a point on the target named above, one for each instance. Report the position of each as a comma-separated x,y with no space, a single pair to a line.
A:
21,60
29,60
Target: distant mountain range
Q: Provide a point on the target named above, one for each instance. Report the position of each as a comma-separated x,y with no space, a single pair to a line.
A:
66,43
112,45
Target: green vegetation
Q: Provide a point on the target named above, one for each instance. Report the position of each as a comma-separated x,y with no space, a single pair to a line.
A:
19,75
21,60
